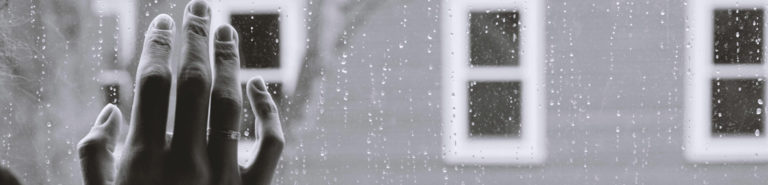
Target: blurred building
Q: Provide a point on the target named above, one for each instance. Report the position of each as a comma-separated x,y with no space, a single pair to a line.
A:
489,91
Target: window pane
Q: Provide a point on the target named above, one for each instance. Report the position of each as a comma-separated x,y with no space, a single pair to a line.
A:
247,129
259,44
494,38
737,107
494,109
111,93
738,36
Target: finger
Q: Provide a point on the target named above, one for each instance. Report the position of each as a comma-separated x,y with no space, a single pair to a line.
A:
154,83
188,156
7,177
226,106
95,149
271,142
145,141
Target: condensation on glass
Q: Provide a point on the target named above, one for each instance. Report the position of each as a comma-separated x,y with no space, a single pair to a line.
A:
494,106
737,107
494,38
259,49
494,109
258,39
738,36
111,93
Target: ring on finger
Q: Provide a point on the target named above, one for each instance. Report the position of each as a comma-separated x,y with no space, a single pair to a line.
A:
229,134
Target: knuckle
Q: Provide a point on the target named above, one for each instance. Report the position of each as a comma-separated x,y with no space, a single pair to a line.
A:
260,96
227,73
228,63
273,138
89,145
155,75
226,100
159,40
197,26
195,75
226,52
266,109
196,52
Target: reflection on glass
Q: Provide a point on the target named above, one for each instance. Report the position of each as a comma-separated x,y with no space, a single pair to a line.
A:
259,44
737,107
738,36
494,109
494,38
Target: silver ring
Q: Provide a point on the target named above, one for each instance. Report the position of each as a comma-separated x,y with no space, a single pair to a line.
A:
230,134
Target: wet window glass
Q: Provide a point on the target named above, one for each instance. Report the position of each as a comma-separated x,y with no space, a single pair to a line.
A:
738,36
111,93
494,109
247,128
259,39
494,38
402,92
737,107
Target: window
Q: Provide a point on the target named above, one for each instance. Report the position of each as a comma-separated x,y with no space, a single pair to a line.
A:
125,12
272,42
272,38
115,86
259,37
249,119
485,101
492,82
493,38
725,109
737,107
111,93
117,49
260,51
738,36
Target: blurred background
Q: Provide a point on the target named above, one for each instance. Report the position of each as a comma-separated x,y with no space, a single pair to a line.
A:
425,91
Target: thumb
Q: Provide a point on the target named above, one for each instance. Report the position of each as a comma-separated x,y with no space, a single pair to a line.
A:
272,141
95,149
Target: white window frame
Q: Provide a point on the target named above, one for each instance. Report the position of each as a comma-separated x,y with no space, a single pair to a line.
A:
293,36
700,145
125,11
530,147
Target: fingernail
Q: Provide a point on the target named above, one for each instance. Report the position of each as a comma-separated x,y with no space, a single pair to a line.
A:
225,33
198,8
258,83
163,22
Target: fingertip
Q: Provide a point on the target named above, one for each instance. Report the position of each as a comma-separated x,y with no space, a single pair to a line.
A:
226,50
110,118
198,8
158,39
103,133
256,89
106,114
257,84
226,33
115,116
163,22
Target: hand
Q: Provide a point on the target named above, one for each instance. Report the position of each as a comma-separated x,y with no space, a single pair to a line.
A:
189,158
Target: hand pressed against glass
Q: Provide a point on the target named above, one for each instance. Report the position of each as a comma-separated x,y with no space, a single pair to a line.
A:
192,157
